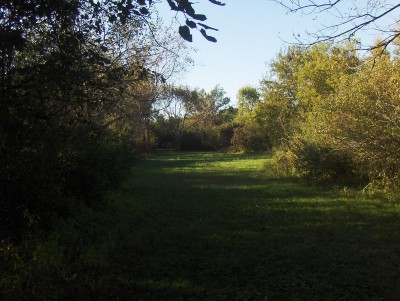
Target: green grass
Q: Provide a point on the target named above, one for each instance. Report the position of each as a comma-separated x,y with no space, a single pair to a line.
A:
211,226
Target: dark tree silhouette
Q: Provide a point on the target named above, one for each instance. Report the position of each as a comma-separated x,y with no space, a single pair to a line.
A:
64,78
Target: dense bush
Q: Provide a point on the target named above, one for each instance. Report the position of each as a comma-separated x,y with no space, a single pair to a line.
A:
100,164
250,137
40,186
334,116
322,163
281,164
60,97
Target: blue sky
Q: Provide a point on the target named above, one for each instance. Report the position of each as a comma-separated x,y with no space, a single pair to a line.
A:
251,33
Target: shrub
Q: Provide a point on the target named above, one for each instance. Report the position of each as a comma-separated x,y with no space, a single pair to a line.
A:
52,179
250,137
281,164
322,163
384,186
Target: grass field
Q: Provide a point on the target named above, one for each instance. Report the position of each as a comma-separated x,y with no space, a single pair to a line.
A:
210,226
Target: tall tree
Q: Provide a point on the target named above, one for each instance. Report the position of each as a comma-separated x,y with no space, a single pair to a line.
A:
279,111
70,70
249,134
178,106
248,98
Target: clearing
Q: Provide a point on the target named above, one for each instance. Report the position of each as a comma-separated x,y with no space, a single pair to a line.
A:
211,226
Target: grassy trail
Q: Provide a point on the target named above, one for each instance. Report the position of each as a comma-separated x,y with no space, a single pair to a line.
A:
209,226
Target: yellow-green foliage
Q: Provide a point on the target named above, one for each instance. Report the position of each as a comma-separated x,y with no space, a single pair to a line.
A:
362,120
338,114
281,164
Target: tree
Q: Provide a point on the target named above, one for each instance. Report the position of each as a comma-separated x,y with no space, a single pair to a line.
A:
208,106
295,96
248,98
72,74
300,80
178,106
352,18
249,134
197,119
209,131
279,111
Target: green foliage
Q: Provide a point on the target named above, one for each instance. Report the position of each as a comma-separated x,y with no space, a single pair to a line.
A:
250,137
337,114
281,165
100,165
321,163
279,111
249,133
365,115
196,119
64,264
248,98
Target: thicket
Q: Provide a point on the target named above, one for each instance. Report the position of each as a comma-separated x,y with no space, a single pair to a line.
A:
192,119
332,115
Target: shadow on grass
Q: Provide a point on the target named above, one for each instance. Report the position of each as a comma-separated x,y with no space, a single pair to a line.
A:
208,233
210,226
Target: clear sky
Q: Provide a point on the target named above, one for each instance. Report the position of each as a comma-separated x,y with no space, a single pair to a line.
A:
251,33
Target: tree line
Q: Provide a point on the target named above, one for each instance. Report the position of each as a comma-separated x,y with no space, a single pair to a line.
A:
325,112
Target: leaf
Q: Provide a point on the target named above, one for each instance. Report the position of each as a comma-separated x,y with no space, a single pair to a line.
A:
199,17
191,24
103,48
187,7
184,31
144,11
207,27
217,2
209,38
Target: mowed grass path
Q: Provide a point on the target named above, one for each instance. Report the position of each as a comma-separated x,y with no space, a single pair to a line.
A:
210,226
